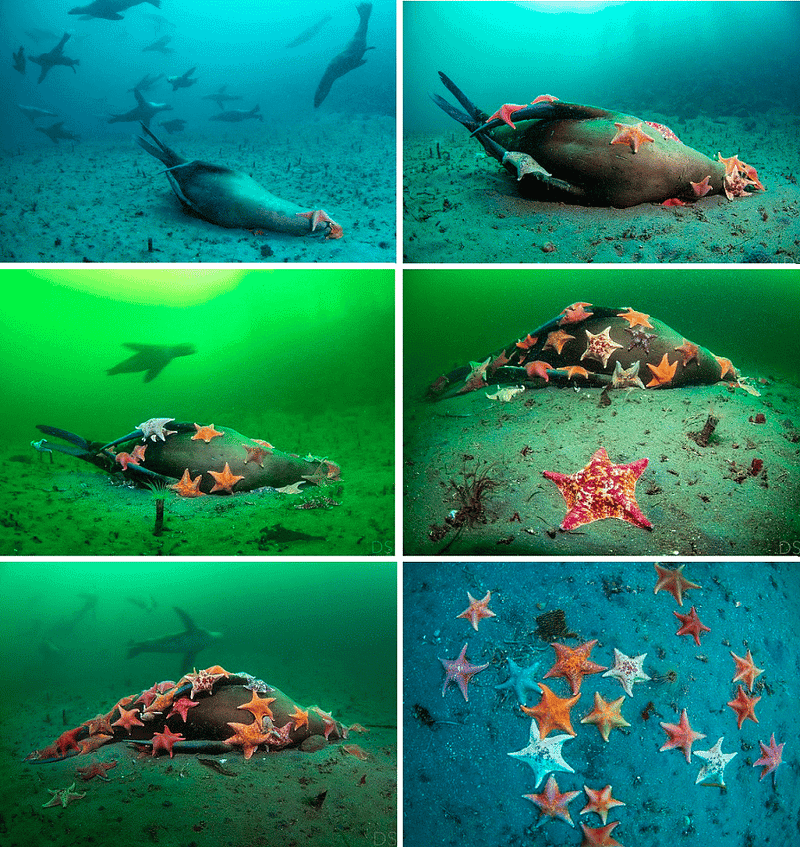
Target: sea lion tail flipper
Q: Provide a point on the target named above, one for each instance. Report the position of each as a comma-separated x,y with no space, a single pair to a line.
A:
160,150
462,117
66,436
474,112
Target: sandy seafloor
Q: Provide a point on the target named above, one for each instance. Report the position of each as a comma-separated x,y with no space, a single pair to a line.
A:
464,206
181,802
460,786
689,493
101,200
71,508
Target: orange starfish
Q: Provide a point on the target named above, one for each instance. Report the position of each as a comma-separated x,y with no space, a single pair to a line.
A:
551,802
636,318
477,610
663,373
574,664
225,480
557,340
206,433
247,736
606,715
631,134
188,487
259,707
600,802
673,581
746,669
552,712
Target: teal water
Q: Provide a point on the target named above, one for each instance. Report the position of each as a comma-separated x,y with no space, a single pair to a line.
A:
685,59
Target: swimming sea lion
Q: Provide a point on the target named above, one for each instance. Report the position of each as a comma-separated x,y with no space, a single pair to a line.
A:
595,156
349,59
143,111
593,345
205,711
47,61
232,199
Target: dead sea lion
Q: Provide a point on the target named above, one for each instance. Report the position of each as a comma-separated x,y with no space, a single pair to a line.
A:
232,199
593,345
595,156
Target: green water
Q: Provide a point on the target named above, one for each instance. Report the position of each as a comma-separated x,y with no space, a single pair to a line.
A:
308,343
302,627
748,315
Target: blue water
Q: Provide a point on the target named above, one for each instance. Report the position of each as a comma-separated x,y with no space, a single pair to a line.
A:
682,59
240,44
461,784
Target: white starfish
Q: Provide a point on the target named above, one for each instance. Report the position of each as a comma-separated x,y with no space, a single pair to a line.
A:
63,796
544,755
628,670
714,767
156,428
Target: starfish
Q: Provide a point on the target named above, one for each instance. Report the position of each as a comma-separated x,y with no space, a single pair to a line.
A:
527,342
600,346
225,480
601,490
574,664
635,318
631,134
256,454
146,697
93,743
606,715
188,487
99,724
744,707
552,803
600,802
498,362
712,771
522,681
600,837
478,610
576,370
746,669
318,216
294,488
278,736
63,797
700,189
626,378
628,671
247,736
557,340
165,741
128,719
300,717
460,671
543,755
204,680
156,428
725,367
68,740
680,735
663,372
538,369
552,712
504,113
639,338
691,625
575,314
771,757
182,706
673,581
206,433
689,352
328,722
259,707
98,769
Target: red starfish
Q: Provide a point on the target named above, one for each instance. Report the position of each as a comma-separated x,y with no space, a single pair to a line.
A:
691,625
97,769
165,741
